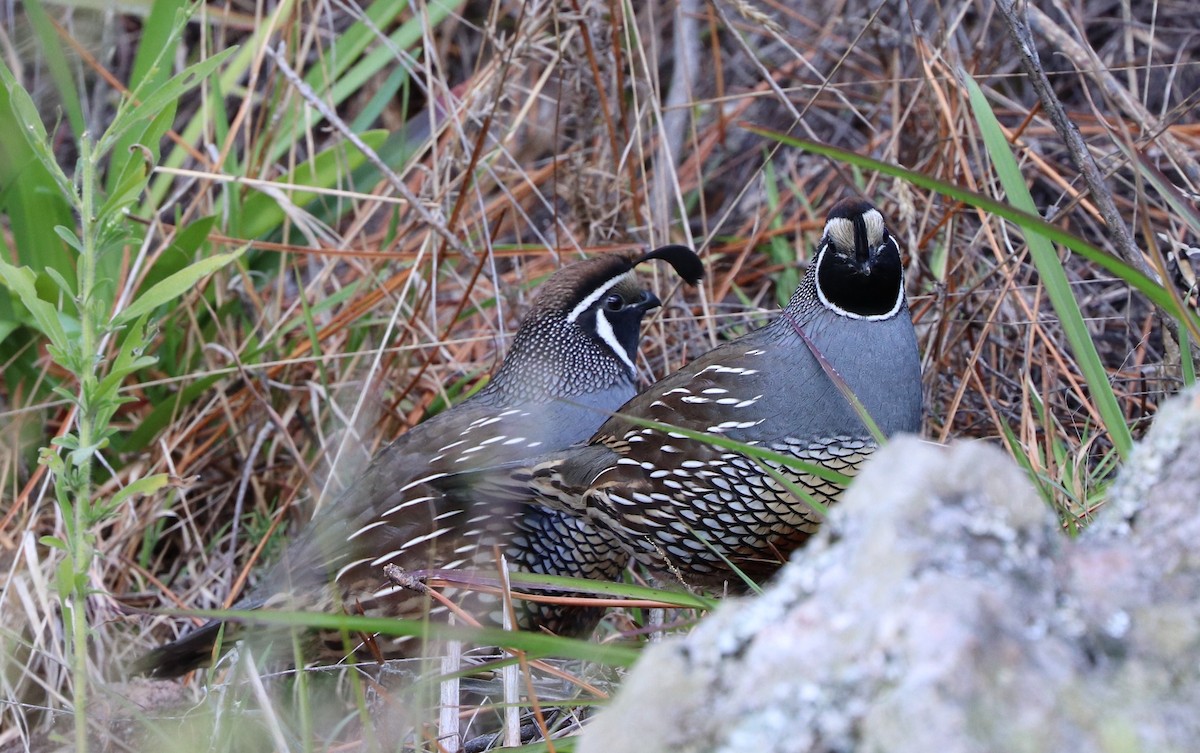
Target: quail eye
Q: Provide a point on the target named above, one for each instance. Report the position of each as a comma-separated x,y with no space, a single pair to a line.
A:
614,303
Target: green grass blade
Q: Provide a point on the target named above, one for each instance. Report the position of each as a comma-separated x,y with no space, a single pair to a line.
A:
1184,209
229,79
525,580
536,644
782,253
387,92
349,72
30,198
21,115
22,282
53,53
1188,360
1054,278
839,382
1020,454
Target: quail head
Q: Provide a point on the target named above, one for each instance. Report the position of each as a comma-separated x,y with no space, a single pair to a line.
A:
571,364
694,511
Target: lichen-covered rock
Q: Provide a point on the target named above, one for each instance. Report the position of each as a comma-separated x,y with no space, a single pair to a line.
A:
1133,580
941,609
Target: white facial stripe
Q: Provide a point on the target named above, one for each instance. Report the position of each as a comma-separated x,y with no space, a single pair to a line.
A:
850,314
583,305
605,330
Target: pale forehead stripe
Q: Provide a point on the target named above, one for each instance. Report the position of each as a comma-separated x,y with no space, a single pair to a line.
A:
874,222
841,230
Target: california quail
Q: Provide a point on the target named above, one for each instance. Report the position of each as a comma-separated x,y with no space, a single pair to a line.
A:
571,364
691,510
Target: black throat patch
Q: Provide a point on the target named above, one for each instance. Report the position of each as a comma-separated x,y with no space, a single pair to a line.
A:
869,288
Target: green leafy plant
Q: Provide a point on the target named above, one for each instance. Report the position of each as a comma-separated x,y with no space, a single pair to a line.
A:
96,332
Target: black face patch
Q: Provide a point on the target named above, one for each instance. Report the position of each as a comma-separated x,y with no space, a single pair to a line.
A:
614,318
867,287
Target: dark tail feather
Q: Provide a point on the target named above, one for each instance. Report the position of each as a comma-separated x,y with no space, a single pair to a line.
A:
181,656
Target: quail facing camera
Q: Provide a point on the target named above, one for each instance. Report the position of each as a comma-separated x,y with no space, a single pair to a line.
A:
689,509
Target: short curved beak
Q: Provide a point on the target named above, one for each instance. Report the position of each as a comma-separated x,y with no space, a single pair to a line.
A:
648,301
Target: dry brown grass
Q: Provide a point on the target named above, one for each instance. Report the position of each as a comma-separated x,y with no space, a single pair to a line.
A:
547,131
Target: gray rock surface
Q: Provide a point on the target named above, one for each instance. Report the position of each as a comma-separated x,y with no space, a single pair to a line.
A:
941,609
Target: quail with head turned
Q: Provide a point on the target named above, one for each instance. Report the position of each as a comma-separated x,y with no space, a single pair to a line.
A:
695,511
571,364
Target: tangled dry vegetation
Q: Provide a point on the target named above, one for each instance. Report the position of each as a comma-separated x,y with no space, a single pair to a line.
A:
521,135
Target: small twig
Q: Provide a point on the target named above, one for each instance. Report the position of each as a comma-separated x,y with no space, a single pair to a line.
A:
675,112
449,733
403,578
239,506
511,673
414,582
1118,231
655,619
